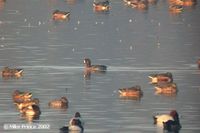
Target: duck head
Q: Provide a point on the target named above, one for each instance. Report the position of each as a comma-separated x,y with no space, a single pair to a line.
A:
87,62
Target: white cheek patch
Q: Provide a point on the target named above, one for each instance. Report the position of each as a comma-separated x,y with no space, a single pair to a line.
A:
84,61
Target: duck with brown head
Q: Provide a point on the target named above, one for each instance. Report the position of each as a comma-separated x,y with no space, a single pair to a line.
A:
166,88
11,72
19,96
60,15
134,91
59,103
161,78
101,5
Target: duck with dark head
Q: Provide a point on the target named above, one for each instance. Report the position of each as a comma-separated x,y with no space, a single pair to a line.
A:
75,124
169,122
59,103
93,68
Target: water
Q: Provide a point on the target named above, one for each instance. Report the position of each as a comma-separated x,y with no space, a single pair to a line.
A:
132,43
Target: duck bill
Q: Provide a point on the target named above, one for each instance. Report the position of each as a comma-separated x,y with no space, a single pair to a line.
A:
158,89
150,77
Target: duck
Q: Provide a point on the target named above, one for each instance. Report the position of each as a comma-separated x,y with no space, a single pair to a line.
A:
175,9
128,2
93,68
60,15
183,2
59,103
134,91
75,124
11,72
139,4
101,6
159,120
19,96
161,78
166,88
31,110
25,104
77,115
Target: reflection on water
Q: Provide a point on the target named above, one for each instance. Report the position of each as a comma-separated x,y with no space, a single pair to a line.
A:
133,44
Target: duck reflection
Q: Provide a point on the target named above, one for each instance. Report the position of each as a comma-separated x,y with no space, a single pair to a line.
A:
30,118
87,74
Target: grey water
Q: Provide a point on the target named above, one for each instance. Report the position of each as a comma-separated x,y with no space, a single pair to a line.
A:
132,43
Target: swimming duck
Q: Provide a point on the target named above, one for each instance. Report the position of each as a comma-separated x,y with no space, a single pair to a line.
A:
134,91
167,88
93,68
77,115
101,6
11,72
19,97
183,2
139,4
160,119
59,103
128,2
175,9
31,110
75,124
60,15
161,78
25,104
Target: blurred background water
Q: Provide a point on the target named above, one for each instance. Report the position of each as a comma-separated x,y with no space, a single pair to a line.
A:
132,43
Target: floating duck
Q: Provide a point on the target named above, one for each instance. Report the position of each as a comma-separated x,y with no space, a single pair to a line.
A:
175,9
163,118
139,4
11,72
183,2
161,78
134,91
93,68
59,103
25,104
167,88
60,15
101,6
128,2
75,124
20,97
